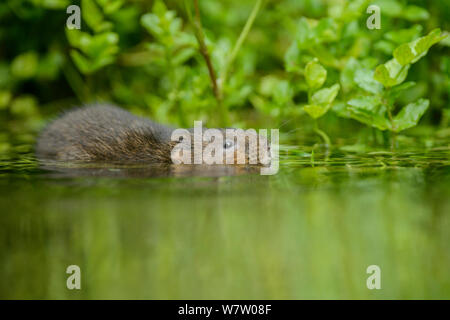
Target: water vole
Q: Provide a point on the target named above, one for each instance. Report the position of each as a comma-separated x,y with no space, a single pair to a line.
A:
108,133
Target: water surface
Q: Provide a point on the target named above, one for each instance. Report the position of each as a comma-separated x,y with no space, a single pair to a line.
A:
154,232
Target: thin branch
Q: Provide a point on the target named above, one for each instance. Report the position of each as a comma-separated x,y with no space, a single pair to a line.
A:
322,134
241,39
217,84
204,49
198,28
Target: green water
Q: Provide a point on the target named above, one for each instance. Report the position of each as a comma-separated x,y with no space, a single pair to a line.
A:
310,231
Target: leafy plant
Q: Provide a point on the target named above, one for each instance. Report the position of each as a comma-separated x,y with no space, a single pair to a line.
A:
92,52
319,100
375,104
231,63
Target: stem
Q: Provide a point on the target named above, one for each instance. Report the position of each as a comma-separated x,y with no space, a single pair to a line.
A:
374,136
389,108
204,49
175,103
206,56
241,39
391,119
321,133
76,82
393,139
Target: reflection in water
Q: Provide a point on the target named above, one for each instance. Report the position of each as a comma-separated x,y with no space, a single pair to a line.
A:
227,232
118,170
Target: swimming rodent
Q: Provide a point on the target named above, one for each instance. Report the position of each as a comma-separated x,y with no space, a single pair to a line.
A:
109,133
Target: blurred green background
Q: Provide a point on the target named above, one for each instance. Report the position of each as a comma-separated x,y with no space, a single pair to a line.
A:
144,56
377,194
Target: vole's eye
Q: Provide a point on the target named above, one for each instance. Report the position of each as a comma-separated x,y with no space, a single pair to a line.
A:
228,144
180,139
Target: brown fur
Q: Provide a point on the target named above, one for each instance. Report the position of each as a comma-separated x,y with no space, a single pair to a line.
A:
105,133
108,133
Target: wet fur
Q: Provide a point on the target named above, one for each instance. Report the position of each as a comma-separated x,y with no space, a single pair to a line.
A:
105,133
108,133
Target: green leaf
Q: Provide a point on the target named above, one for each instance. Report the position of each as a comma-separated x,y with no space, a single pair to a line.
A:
326,30
347,76
323,54
411,52
5,75
325,96
372,119
77,37
54,4
410,115
370,111
364,79
93,16
283,92
25,105
159,8
341,109
83,64
98,50
353,9
415,13
391,8
25,65
369,103
50,65
304,34
395,70
404,35
446,40
5,98
292,58
315,111
183,55
321,101
384,46
312,32
151,23
396,91
110,6
391,73
267,85
315,74
93,46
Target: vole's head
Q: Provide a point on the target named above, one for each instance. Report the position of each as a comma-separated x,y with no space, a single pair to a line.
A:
221,146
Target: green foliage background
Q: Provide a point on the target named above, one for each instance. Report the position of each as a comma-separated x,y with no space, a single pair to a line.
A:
307,66
144,56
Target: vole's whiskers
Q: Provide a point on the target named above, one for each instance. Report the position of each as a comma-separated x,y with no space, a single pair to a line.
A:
293,130
284,123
